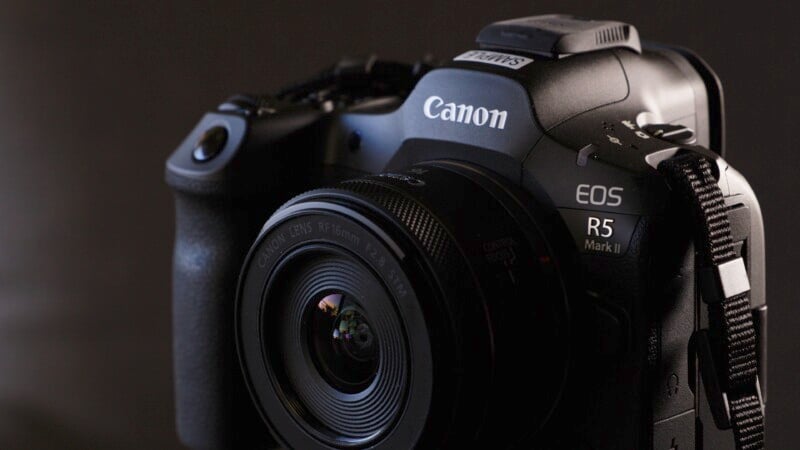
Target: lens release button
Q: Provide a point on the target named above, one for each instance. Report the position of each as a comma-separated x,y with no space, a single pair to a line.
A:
210,144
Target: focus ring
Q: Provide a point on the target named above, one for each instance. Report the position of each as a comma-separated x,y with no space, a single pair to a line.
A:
422,224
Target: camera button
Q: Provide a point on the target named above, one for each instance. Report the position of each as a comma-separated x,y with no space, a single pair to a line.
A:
240,104
677,134
210,144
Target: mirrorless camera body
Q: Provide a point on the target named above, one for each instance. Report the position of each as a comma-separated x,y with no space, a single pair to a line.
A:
481,253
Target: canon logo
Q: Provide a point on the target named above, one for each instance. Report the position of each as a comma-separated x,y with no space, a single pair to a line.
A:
436,108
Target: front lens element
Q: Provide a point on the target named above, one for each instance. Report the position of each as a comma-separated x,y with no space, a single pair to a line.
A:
335,343
342,344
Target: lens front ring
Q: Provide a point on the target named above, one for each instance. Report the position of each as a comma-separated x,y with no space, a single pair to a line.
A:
339,230
322,400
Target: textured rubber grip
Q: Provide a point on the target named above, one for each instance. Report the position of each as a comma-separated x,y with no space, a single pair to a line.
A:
212,238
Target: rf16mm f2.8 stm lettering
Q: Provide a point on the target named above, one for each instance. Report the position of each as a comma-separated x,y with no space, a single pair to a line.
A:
436,108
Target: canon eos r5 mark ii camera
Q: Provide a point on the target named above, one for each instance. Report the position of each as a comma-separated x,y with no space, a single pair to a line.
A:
488,253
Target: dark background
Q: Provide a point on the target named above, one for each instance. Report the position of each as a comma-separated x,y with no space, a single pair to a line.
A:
94,97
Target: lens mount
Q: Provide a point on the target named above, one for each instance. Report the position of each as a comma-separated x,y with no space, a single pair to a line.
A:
401,310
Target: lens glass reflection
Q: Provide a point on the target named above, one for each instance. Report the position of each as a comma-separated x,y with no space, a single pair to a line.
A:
342,343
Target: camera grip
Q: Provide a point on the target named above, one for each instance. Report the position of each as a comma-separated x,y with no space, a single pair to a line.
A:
213,234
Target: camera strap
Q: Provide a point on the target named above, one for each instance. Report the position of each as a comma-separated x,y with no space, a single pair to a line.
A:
726,352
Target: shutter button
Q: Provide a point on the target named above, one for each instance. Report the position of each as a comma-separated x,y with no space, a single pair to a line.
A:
210,144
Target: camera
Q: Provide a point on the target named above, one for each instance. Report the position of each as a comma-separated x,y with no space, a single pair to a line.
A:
482,253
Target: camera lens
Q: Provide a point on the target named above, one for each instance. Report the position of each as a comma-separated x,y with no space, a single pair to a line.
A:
343,346
402,310
333,341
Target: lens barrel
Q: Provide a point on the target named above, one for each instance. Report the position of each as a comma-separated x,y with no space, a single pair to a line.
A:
403,309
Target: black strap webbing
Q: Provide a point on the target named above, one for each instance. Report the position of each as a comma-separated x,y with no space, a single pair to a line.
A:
726,290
